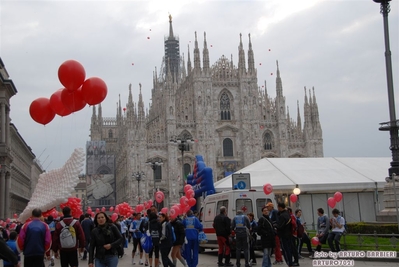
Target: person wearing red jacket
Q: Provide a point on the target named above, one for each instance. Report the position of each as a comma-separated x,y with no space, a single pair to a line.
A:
68,256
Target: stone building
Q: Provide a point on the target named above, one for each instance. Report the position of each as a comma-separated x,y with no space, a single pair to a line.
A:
232,120
19,170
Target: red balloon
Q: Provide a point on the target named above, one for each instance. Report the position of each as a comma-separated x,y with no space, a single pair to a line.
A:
15,215
267,188
183,201
187,187
177,209
73,100
97,210
190,193
40,110
293,198
172,213
114,217
103,209
315,241
94,90
71,74
159,196
57,106
338,196
331,202
164,210
111,208
192,201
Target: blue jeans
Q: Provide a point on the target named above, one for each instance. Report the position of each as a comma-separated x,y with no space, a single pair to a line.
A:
336,237
108,261
266,257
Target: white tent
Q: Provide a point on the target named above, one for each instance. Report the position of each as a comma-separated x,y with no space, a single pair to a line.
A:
315,174
361,180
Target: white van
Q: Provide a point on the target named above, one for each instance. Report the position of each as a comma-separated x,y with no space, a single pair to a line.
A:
246,200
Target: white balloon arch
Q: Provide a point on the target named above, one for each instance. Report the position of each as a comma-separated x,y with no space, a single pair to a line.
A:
56,186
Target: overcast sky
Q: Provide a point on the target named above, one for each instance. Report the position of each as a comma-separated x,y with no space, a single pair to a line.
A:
335,46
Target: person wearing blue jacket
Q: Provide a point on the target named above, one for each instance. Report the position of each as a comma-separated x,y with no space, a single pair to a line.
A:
12,244
136,233
193,227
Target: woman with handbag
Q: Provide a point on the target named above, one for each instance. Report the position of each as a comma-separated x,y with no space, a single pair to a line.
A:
105,238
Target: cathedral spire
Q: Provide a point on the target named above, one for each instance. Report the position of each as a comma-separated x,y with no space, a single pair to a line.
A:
130,98
130,113
119,112
205,57
184,68
299,122
170,28
251,60
94,117
141,114
197,63
279,84
188,61
241,57
172,53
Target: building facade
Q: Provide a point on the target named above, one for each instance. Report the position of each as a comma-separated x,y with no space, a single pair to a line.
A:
19,170
231,119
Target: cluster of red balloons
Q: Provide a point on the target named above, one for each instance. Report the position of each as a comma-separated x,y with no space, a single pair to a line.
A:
124,209
53,212
76,206
267,188
77,92
332,201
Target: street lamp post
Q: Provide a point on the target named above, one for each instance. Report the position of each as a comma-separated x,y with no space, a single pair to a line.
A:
139,176
392,125
184,145
154,165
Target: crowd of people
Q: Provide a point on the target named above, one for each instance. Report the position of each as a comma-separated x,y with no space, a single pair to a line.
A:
281,232
99,240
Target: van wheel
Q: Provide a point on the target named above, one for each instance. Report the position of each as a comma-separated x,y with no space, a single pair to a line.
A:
201,250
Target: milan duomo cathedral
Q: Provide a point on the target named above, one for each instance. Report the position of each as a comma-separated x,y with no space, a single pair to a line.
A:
221,108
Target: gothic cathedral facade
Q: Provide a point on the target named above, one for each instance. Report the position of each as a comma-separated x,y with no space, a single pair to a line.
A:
232,121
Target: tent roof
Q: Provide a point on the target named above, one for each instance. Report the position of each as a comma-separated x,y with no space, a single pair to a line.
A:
315,174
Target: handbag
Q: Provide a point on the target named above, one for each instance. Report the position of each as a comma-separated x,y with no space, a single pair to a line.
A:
146,243
202,238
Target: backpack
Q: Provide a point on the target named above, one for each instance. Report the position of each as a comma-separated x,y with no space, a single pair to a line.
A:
294,227
301,229
68,235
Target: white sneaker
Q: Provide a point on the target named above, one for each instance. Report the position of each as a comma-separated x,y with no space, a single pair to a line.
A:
141,262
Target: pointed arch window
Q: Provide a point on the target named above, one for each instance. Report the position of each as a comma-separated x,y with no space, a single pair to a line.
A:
158,173
268,141
227,147
110,134
225,107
